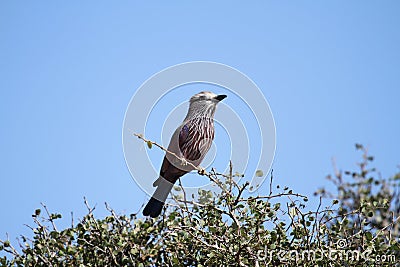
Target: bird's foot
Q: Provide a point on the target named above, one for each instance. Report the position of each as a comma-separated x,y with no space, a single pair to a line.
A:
184,162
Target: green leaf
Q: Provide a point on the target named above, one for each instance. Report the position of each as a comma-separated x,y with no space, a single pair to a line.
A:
37,212
277,206
149,144
177,188
368,235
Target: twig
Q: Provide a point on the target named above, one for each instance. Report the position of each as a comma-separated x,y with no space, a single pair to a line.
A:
230,176
270,182
240,193
200,170
50,217
184,200
140,136
88,207
113,214
384,228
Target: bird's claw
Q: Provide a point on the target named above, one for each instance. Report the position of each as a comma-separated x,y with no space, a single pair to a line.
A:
184,162
202,171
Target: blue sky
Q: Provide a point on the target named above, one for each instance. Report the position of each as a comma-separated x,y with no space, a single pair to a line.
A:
330,71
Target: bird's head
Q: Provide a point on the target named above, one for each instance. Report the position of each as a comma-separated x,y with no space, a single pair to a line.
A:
206,97
203,104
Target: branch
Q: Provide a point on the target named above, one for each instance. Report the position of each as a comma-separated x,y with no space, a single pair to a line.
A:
384,228
140,136
200,170
50,217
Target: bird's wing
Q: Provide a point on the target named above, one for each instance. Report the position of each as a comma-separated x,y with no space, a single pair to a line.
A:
183,135
193,144
169,171
189,142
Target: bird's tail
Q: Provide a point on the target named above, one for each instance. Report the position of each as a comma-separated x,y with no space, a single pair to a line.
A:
156,203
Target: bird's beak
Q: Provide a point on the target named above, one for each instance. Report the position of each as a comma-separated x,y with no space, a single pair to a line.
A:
220,97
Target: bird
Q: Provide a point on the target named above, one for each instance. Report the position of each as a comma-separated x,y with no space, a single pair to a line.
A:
189,144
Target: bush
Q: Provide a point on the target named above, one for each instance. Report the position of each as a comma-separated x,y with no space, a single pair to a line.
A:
359,227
